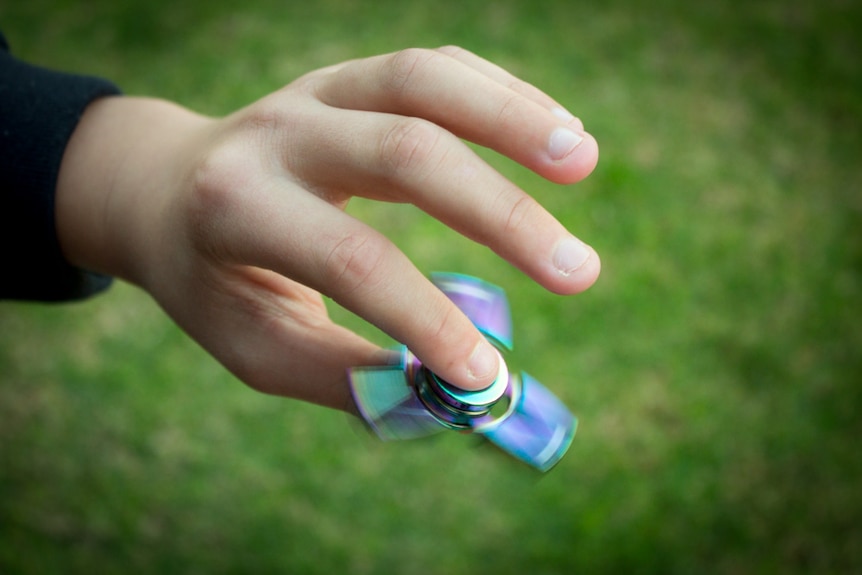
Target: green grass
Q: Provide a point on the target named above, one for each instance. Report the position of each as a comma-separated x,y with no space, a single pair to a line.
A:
716,366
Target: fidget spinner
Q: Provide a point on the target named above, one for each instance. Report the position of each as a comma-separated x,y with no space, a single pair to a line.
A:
406,400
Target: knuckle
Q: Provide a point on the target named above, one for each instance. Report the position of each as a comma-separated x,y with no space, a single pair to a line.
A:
352,262
212,192
445,329
511,109
402,67
452,50
223,180
520,86
221,184
272,113
441,327
270,127
409,147
519,215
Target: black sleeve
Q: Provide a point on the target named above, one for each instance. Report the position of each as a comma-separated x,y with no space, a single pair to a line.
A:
39,110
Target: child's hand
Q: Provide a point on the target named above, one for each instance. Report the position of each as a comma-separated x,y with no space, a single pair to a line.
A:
235,225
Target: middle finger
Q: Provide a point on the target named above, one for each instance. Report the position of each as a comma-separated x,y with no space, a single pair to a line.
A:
396,158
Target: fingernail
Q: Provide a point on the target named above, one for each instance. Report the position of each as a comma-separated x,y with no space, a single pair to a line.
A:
562,142
571,254
483,362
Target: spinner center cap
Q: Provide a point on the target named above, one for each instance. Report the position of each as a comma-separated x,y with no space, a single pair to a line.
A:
483,398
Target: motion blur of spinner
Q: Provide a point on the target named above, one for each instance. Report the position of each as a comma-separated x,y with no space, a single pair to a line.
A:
405,400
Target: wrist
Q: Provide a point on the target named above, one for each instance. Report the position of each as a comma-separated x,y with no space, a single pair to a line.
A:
122,164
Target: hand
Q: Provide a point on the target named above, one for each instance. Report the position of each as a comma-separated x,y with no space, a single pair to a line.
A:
236,225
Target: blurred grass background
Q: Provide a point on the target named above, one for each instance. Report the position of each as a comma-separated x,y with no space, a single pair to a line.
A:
715,366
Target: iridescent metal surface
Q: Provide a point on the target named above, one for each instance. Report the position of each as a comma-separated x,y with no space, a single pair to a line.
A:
484,303
405,400
538,430
388,401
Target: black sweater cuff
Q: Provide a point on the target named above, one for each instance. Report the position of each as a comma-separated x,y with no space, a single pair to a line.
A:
39,110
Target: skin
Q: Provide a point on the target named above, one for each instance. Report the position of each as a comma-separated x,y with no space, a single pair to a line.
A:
236,226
